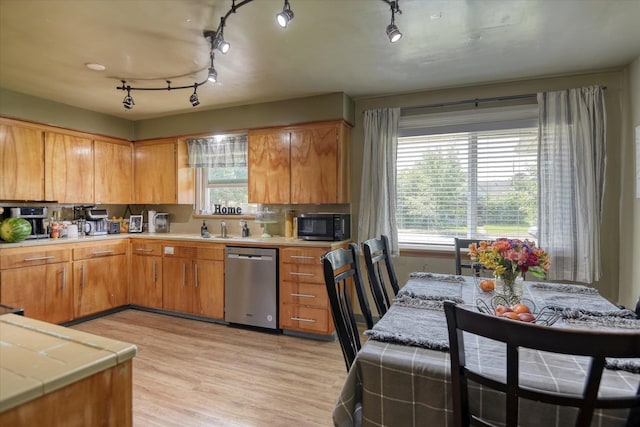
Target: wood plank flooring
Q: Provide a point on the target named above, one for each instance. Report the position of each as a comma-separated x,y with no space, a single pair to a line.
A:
192,373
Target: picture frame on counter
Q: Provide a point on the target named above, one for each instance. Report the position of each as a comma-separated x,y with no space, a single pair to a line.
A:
135,224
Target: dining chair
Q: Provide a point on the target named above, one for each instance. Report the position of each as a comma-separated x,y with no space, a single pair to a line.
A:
377,253
341,269
515,334
460,244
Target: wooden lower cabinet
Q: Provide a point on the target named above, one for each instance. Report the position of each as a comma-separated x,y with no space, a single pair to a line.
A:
145,285
304,305
193,279
38,281
100,277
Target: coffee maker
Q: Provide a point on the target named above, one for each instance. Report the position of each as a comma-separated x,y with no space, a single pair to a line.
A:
36,216
97,223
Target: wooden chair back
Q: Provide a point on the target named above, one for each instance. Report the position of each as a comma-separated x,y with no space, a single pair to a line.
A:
341,272
459,245
514,334
380,270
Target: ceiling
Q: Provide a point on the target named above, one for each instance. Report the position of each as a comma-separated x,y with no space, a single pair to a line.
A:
329,46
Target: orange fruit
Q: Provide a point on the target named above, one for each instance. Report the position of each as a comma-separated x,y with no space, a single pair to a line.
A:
501,309
520,308
487,285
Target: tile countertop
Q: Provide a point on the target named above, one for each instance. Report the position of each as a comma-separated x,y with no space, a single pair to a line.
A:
37,358
231,240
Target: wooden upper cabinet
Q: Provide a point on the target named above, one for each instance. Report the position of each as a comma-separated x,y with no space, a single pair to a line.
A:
317,165
300,164
113,172
21,162
161,173
269,166
69,173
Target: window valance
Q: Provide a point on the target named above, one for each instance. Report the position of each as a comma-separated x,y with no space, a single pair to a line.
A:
218,151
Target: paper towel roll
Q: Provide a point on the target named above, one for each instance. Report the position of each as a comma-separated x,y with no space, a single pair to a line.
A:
151,222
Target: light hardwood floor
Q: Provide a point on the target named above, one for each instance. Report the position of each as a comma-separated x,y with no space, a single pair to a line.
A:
191,373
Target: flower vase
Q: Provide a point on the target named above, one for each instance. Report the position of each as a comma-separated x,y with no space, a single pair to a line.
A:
508,289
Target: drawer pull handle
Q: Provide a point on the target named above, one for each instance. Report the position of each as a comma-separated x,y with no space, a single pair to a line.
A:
144,250
82,276
64,278
302,274
302,257
196,271
300,319
155,277
303,295
39,258
108,251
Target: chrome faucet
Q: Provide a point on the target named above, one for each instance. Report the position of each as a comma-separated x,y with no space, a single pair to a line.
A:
223,229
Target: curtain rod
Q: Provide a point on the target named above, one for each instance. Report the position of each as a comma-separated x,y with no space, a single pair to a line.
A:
475,101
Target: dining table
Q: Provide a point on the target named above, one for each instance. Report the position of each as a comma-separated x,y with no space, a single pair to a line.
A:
401,375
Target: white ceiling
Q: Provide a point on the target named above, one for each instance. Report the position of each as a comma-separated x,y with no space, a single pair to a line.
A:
329,46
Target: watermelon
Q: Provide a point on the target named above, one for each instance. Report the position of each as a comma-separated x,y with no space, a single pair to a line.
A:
14,230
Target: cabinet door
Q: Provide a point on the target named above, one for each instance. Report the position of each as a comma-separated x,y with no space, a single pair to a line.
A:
95,287
146,281
269,166
69,174
113,172
58,293
22,288
314,173
155,172
176,284
21,163
208,292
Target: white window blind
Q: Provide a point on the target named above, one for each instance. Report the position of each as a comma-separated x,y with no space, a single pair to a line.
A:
467,174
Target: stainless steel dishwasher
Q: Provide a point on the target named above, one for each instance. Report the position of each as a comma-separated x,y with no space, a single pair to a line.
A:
251,287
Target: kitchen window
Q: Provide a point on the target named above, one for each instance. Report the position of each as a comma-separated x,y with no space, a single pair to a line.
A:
467,174
221,174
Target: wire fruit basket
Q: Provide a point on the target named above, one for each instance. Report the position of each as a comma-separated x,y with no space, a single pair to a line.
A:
546,316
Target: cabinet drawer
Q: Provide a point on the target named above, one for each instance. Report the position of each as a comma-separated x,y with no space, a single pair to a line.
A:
303,318
302,255
100,249
304,294
25,257
146,248
309,273
174,251
215,253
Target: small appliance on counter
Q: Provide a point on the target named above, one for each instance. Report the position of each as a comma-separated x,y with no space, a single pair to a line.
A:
324,226
36,216
97,223
161,222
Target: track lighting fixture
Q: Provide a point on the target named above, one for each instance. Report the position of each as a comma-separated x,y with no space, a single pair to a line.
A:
128,100
393,32
283,18
213,75
217,42
193,99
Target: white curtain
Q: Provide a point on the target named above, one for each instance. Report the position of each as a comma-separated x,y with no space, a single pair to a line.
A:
571,166
378,190
217,151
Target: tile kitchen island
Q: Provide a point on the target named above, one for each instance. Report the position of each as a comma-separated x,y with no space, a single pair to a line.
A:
52,375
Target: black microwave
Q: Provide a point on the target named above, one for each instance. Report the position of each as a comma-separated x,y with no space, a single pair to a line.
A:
324,226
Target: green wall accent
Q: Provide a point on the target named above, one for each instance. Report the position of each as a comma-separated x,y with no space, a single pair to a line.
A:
280,113
292,111
26,107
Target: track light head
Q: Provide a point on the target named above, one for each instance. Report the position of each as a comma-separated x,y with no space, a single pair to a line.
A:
393,33
283,18
128,100
213,75
193,99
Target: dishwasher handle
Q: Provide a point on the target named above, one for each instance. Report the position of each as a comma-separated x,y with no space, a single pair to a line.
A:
250,257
